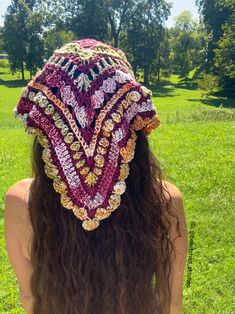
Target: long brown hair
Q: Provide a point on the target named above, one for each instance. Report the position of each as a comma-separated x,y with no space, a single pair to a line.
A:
123,267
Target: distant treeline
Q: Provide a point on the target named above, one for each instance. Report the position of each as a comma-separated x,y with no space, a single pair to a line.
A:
34,29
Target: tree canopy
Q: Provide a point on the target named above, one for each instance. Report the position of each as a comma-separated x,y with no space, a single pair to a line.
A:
22,37
185,43
34,29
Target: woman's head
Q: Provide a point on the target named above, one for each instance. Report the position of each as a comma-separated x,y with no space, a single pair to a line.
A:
92,162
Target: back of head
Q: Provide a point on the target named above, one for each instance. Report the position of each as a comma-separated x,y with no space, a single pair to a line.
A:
92,163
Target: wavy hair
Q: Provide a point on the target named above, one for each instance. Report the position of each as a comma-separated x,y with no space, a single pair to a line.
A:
123,267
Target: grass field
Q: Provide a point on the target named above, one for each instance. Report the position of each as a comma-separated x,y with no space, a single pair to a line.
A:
195,145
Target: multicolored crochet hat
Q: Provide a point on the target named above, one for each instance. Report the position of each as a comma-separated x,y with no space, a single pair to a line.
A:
84,107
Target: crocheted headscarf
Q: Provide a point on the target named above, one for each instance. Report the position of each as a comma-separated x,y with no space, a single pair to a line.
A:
84,107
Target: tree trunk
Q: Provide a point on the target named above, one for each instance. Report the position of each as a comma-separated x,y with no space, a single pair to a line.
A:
115,38
159,69
114,31
158,75
135,69
22,71
146,74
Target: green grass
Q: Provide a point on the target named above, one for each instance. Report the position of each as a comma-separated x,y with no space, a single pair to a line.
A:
195,146
197,157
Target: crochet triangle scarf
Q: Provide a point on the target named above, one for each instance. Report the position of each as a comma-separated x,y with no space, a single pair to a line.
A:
84,106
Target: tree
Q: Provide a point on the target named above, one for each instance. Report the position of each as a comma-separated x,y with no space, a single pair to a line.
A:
225,51
208,84
145,33
90,19
214,15
85,18
35,45
104,19
133,43
118,13
162,61
22,37
54,38
185,43
185,22
14,35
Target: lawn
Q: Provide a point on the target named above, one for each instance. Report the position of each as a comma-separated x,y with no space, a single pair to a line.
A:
195,146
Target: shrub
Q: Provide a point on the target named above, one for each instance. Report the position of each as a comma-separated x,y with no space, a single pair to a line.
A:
208,84
4,64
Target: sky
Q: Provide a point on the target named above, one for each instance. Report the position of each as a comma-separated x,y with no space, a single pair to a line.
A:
3,6
178,7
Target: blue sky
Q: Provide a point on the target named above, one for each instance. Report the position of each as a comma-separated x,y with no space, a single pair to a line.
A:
178,7
3,6
182,5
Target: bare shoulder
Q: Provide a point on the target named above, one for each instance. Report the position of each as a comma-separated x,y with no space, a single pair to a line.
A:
171,189
18,188
16,198
177,203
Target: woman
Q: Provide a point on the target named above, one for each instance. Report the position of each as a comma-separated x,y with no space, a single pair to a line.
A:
96,230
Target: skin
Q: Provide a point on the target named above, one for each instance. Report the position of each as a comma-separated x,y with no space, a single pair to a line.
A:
18,231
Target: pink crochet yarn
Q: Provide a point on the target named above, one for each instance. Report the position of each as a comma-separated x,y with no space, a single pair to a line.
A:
84,107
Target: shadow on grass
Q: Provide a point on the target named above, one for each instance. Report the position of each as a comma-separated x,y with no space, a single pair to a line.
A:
165,89
225,102
183,83
225,94
187,83
13,83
